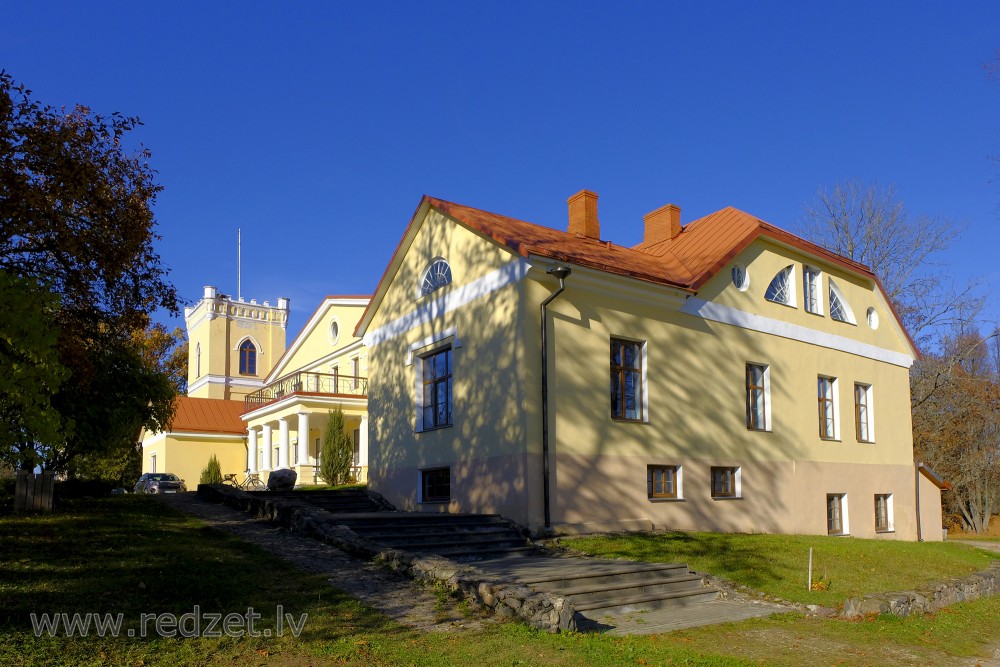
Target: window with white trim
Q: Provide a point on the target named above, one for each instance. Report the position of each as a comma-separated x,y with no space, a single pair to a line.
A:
436,276
435,409
758,395
663,482
812,288
782,287
836,514
826,395
152,462
726,482
840,310
627,379
248,358
883,513
863,412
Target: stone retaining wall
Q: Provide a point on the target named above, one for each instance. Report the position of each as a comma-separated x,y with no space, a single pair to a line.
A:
966,589
545,611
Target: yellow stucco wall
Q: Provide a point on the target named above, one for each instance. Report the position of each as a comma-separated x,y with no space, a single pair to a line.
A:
316,349
695,385
186,455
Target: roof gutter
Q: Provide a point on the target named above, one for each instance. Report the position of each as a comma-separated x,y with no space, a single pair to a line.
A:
560,272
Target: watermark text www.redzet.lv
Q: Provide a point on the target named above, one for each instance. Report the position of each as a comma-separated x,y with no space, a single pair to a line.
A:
192,624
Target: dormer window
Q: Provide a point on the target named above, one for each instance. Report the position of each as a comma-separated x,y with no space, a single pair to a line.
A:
781,288
437,275
839,308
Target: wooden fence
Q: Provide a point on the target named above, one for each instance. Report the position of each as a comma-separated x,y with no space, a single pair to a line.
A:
33,493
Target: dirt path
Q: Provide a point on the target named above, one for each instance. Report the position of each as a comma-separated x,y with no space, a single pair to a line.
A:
393,594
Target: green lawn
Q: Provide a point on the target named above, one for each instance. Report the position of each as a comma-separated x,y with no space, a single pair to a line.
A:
778,565
132,555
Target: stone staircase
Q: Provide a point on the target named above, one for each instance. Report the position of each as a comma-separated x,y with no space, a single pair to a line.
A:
462,537
340,501
601,589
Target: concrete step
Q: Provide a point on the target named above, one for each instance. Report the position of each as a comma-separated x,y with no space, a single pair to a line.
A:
609,576
484,543
465,554
437,533
603,591
641,601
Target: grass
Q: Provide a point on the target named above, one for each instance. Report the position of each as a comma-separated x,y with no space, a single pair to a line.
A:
132,555
778,565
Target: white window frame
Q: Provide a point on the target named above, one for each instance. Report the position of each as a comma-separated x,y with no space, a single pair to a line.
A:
644,384
845,524
844,305
835,393
421,291
737,483
419,388
767,396
678,482
869,411
812,289
890,521
152,462
789,287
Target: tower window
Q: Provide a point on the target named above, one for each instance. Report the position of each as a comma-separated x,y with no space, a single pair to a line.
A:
248,358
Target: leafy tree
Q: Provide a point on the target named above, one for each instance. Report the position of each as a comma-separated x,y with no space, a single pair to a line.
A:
337,454
869,224
212,474
76,221
30,371
956,424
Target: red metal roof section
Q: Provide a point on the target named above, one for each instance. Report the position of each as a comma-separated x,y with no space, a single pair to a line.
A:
526,239
208,415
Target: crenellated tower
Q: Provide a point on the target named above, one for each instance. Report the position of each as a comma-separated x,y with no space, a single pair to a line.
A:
232,344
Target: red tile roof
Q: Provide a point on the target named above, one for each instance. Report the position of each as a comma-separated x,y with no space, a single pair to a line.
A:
207,415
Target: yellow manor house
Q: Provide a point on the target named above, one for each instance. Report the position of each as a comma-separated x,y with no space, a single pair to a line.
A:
723,375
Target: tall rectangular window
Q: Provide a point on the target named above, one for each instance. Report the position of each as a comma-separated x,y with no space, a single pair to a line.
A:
336,378
626,380
725,482
811,284
835,514
757,397
662,481
355,371
436,404
827,400
863,412
152,463
883,512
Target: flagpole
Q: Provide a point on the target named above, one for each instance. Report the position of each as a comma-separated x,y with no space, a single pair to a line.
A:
239,265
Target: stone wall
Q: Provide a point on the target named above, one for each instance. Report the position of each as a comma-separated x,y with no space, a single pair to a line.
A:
966,589
545,611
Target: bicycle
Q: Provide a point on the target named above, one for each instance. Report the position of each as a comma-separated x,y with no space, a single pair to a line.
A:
250,483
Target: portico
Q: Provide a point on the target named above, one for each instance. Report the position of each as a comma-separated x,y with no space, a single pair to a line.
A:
287,419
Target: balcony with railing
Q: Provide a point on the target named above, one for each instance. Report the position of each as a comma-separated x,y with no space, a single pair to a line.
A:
304,382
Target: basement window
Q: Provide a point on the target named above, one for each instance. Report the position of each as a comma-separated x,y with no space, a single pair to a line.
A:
435,485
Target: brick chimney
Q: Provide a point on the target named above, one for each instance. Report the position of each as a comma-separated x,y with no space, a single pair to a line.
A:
662,224
583,214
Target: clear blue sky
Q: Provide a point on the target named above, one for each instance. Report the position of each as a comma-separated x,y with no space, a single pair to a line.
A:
316,126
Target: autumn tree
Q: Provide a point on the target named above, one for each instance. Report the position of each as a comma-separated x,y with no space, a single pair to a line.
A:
956,424
870,224
76,221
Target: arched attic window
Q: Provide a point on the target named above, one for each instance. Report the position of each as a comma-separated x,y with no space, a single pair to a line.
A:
437,275
781,289
840,310
248,358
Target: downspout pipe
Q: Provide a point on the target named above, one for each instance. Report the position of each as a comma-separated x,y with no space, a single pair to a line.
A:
916,480
560,272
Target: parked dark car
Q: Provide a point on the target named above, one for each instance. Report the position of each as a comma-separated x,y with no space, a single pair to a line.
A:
160,482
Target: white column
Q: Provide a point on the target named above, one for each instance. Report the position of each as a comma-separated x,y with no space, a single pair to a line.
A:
363,442
267,448
303,435
282,443
251,449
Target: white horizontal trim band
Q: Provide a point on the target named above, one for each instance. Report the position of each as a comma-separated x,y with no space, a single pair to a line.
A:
740,318
491,282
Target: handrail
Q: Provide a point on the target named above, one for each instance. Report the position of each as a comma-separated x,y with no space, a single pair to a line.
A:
310,382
